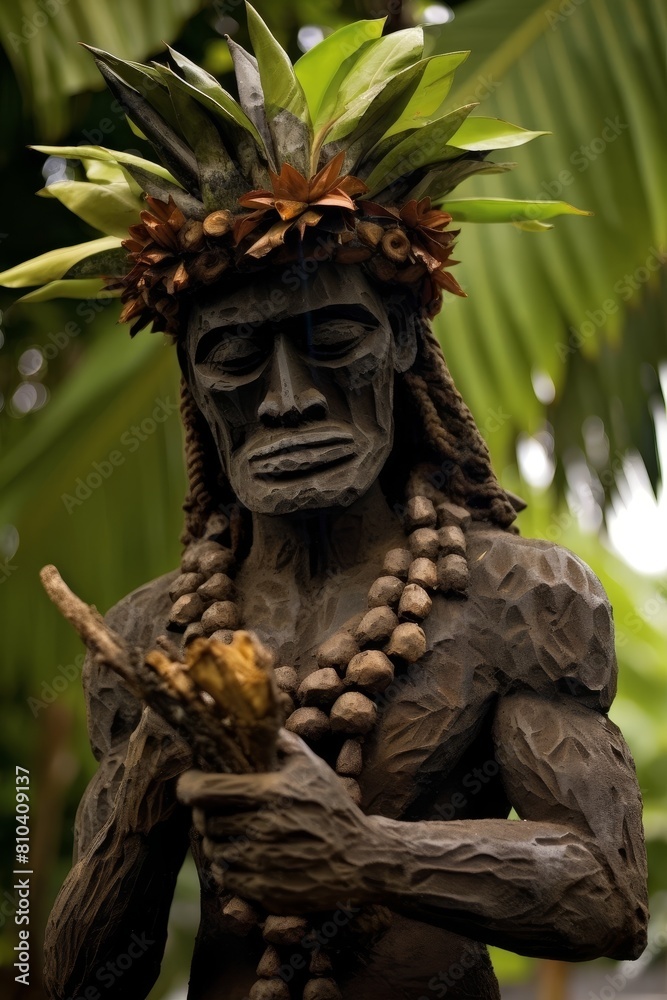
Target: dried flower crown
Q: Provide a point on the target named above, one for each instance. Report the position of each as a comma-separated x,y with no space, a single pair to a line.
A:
277,175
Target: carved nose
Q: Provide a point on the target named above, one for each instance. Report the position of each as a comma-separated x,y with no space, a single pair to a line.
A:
291,398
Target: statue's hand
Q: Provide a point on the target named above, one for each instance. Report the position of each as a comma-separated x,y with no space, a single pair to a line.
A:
292,839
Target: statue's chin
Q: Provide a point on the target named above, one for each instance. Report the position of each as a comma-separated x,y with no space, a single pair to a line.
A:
337,485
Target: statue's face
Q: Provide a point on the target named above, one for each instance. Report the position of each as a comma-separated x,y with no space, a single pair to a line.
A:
296,385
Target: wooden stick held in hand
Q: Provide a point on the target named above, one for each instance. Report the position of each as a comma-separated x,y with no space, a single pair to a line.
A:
223,700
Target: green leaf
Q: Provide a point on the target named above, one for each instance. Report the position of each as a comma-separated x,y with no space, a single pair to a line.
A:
443,178
106,155
76,288
429,97
491,133
282,90
506,210
423,147
55,264
382,69
111,207
251,97
320,68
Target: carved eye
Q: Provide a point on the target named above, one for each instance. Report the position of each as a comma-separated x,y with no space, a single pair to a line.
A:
332,340
232,355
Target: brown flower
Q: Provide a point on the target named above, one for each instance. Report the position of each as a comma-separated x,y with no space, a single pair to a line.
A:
298,202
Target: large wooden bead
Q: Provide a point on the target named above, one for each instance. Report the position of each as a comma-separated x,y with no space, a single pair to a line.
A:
424,572
186,583
192,632
310,723
350,759
320,963
452,539
376,626
238,916
370,670
219,587
322,687
353,713
220,615
285,930
415,603
420,513
453,574
190,562
451,513
386,590
337,651
353,790
287,680
269,963
407,641
269,989
424,543
321,989
185,610
218,560
397,563
224,635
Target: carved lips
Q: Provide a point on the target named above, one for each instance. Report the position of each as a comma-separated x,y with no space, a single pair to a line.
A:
300,451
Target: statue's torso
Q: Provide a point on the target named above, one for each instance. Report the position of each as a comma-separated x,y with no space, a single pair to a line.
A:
430,755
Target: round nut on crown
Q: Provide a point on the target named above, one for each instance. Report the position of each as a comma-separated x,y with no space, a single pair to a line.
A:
424,572
424,543
407,641
350,759
218,223
310,723
220,615
420,513
397,563
452,539
385,590
186,583
415,604
191,236
376,626
396,245
322,687
185,610
370,670
369,233
353,713
337,651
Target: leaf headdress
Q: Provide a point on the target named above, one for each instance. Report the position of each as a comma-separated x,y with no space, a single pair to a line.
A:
348,155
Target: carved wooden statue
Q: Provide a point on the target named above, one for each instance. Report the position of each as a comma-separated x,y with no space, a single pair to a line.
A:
436,669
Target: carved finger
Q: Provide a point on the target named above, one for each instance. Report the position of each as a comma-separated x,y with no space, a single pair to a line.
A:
222,793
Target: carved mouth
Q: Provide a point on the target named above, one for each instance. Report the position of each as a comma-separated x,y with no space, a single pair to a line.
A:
301,452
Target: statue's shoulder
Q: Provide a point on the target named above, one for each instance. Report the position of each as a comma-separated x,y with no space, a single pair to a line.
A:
113,712
550,613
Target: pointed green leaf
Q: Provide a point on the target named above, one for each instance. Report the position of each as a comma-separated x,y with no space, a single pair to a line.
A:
443,178
321,66
282,90
491,133
55,264
507,210
383,69
103,263
106,155
428,99
251,96
424,146
215,97
77,288
111,207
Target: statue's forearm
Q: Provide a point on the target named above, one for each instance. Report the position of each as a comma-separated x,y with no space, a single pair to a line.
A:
115,902
531,887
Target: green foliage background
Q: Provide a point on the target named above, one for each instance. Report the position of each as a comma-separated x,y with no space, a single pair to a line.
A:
573,304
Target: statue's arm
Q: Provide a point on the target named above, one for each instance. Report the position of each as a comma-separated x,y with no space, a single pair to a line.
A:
569,880
108,926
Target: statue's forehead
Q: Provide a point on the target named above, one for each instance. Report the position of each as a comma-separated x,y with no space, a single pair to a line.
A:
275,297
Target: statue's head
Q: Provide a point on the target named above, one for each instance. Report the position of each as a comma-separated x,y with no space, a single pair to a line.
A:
295,379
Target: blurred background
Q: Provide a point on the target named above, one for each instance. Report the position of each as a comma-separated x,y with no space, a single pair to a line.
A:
560,350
